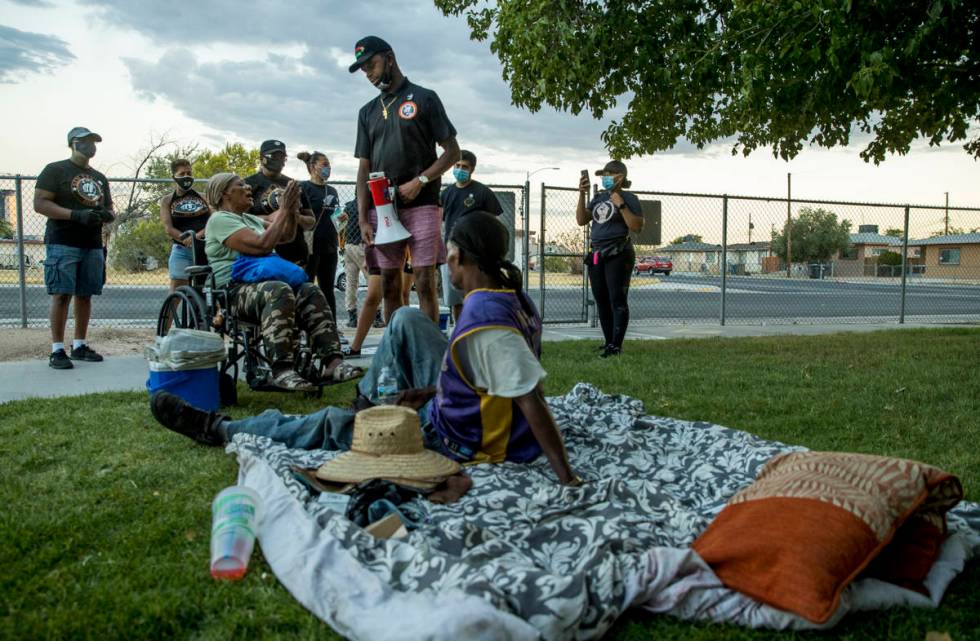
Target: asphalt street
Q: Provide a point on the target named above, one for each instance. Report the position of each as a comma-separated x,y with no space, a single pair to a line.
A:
671,299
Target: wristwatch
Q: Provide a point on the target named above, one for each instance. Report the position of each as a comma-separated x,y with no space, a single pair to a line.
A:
423,179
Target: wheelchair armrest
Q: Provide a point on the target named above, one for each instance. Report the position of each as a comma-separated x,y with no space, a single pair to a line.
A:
197,270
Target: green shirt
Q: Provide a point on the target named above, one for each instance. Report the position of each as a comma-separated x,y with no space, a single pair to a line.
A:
221,225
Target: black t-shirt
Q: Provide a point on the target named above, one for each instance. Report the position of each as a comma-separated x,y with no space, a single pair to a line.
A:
352,233
459,201
608,225
188,212
403,145
265,192
74,187
323,200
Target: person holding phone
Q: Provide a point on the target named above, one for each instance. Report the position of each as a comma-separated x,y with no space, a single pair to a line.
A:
613,214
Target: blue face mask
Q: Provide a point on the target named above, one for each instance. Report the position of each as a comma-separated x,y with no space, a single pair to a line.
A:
461,175
325,172
608,182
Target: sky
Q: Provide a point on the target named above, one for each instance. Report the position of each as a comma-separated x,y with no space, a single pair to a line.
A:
220,71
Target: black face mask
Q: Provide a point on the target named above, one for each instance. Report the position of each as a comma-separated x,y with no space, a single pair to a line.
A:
384,83
184,182
274,164
85,147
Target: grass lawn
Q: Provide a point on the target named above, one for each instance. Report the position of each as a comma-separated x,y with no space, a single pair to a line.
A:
105,516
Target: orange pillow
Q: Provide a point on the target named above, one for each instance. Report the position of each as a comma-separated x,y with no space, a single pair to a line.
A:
812,521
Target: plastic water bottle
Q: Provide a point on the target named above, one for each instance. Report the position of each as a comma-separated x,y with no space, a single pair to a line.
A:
387,386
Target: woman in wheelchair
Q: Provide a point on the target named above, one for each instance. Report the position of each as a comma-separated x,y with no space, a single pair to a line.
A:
273,305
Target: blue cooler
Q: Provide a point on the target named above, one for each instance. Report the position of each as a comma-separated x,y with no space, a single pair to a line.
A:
199,387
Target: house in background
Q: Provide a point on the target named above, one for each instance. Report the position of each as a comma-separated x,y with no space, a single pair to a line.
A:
692,256
860,258
956,256
749,258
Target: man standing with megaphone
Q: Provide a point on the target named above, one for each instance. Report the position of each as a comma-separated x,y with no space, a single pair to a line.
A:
397,135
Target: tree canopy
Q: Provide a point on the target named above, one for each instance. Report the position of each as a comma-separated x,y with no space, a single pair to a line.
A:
815,235
779,73
688,238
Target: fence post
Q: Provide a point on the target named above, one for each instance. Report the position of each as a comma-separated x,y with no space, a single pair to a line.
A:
541,253
21,260
526,245
724,254
905,258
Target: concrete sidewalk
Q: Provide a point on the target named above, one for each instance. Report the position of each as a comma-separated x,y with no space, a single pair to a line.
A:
34,379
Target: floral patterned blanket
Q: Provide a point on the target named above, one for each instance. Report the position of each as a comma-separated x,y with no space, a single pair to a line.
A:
521,557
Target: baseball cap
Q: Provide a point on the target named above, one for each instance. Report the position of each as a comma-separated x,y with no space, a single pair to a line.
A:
272,146
612,167
82,132
365,48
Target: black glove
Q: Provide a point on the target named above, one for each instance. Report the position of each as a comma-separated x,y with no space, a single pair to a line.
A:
86,217
105,214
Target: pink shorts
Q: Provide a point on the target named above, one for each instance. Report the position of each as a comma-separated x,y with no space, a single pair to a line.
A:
425,243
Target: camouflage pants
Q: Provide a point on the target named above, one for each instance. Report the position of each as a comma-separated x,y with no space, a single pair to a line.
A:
279,311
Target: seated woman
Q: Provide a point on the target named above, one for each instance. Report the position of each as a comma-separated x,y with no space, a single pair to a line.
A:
230,232
479,394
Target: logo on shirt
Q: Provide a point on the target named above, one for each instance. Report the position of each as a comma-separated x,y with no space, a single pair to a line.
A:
87,190
270,200
192,206
469,200
602,212
408,110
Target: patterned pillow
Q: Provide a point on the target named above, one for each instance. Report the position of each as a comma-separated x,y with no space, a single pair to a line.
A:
812,521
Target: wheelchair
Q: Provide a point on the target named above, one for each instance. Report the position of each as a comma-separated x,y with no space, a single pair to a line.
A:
203,306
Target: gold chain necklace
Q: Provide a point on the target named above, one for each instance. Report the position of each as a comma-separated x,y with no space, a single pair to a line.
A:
384,107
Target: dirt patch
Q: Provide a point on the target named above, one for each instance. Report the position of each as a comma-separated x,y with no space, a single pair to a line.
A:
35,343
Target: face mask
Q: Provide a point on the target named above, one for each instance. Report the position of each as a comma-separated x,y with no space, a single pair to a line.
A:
274,164
461,175
85,147
384,83
608,182
325,172
184,182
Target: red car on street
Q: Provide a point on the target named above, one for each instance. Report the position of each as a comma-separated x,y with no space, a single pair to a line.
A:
654,265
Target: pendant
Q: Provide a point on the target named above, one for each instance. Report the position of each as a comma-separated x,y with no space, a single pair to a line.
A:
384,112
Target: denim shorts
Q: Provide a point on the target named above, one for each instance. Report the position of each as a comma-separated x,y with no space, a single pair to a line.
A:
74,270
180,259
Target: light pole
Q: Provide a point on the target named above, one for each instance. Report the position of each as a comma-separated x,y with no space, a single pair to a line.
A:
527,221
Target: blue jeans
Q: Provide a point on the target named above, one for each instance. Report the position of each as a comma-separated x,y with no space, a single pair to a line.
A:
412,346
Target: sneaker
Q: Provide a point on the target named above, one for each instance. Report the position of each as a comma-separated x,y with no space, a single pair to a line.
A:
177,415
85,353
378,321
610,350
351,318
60,360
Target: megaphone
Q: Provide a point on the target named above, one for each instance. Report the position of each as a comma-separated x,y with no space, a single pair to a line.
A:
389,229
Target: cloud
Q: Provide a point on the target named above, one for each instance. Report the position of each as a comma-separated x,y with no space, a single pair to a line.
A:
25,52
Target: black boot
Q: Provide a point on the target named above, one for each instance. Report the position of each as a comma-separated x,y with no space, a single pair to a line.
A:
177,415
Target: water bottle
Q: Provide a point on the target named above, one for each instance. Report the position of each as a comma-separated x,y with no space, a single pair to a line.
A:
387,386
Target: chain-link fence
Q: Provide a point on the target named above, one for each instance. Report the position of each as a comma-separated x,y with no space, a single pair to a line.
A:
737,259
137,277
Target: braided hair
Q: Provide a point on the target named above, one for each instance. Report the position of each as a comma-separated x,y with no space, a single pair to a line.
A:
483,239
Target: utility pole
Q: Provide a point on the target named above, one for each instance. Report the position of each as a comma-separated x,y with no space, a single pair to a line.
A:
946,231
751,227
789,228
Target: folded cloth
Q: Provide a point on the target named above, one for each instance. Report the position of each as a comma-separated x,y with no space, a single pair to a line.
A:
258,269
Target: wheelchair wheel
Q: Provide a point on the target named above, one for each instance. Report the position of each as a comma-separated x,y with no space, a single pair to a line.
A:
185,309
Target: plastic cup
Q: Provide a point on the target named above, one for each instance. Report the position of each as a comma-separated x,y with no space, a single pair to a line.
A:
235,517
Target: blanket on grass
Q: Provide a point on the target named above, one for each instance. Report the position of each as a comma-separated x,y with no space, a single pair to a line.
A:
521,557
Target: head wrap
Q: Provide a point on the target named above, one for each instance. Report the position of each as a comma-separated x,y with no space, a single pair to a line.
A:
217,187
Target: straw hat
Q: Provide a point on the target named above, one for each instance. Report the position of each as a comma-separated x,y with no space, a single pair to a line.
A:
387,444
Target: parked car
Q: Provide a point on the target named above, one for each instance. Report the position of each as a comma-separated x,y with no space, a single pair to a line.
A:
654,265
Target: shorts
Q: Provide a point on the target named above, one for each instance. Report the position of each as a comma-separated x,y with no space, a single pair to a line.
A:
371,261
180,259
450,295
425,225
74,270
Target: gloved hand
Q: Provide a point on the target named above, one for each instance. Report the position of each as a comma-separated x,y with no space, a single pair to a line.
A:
105,214
86,217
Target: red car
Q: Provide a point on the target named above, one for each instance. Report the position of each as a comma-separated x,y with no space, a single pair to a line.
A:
653,265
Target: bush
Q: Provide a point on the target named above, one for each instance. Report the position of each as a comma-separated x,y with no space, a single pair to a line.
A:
890,258
137,241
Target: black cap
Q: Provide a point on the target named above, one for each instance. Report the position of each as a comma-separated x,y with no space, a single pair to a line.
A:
82,132
365,48
272,146
612,167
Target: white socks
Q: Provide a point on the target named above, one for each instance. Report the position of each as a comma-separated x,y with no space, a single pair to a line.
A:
78,342
56,346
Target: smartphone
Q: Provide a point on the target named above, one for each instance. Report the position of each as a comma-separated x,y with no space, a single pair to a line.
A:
585,174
